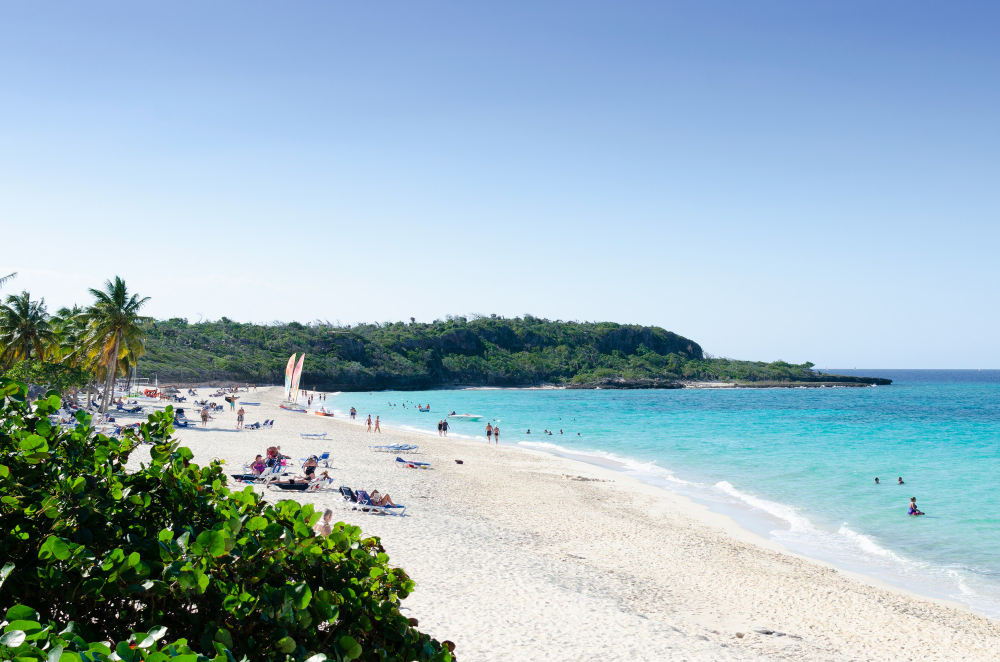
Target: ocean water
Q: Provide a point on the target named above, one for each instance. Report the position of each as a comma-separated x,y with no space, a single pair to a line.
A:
797,465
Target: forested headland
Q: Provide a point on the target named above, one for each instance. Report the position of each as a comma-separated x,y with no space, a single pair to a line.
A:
458,351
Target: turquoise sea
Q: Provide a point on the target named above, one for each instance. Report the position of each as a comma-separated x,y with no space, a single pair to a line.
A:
797,465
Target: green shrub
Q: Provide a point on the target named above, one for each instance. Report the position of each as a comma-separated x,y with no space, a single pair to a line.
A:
120,552
26,639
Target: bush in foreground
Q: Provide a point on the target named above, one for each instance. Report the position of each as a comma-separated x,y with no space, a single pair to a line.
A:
118,556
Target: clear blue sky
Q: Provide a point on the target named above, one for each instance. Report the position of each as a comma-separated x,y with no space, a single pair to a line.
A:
793,180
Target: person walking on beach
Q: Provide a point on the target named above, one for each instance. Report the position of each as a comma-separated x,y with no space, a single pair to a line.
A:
913,510
444,427
377,428
354,413
204,417
496,434
489,433
369,422
440,428
239,418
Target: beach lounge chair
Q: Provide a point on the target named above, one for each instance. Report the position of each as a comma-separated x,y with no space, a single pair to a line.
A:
324,458
366,504
318,485
269,474
401,463
395,448
313,435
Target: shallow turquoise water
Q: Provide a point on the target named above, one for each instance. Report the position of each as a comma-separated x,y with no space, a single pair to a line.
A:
796,464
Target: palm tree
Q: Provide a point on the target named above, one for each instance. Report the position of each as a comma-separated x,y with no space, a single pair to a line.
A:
24,326
70,329
7,277
70,349
115,330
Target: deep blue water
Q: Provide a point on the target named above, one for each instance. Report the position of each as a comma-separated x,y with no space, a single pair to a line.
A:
796,464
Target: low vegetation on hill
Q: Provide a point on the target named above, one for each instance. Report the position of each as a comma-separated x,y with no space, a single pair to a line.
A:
483,351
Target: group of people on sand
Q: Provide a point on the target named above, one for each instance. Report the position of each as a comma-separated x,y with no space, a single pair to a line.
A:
274,457
376,424
492,432
911,508
443,428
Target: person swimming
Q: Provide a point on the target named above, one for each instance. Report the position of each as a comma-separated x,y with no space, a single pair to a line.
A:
901,481
913,510
876,480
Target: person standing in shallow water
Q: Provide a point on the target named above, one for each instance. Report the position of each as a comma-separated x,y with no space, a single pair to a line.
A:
496,434
489,433
440,427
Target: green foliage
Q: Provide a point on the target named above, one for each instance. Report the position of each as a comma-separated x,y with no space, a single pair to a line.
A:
457,351
124,554
25,638
55,376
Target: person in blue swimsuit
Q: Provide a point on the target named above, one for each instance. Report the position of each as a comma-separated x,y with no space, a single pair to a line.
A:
913,510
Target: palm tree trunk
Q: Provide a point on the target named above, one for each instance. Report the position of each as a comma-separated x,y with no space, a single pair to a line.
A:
109,386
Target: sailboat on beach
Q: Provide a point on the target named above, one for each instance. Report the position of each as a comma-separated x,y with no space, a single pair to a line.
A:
293,373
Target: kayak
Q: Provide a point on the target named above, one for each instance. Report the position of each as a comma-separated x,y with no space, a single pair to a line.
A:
291,407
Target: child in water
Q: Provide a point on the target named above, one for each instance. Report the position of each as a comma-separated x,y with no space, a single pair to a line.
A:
913,510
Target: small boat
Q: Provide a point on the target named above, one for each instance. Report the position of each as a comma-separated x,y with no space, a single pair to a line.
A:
424,410
466,417
293,407
323,412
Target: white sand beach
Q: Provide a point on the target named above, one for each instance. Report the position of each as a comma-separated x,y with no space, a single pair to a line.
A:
522,555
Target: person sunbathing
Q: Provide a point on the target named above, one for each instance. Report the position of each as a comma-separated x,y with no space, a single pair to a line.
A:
258,467
302,480
380,499
309,466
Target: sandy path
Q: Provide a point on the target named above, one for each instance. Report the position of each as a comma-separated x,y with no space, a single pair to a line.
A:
520,555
